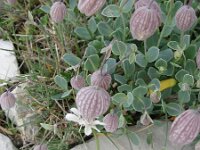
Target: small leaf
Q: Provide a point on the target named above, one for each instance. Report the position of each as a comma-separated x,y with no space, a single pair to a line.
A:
110,65
92,63
61,82
184,96
166,55
92,25
119,98
186,41
173,45
119,48
83,33
152,54
134,138
124,88
180,74
47,126
45,8
111,11
90,50
140,60
140,91
173,109
71,59
122,121
104,29
120,79
189,79
127,5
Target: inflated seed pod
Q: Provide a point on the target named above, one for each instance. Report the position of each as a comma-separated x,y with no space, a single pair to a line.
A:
11,2
198,59
155,97
185,18
41,147
7,100
92,101
197,146
90,7
185,127
101,78
145,119
58,11
77,82
154,5
111,122
144,23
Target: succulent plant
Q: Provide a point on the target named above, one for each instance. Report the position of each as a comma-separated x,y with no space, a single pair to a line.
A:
92,101
11,2
145,119
185,127
90,7
77,82
185,18
7,100
154,5
58,11
198,59
41,147
111,122
144,23
101,78
155,97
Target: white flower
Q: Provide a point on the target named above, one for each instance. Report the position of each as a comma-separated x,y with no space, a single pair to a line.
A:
75,116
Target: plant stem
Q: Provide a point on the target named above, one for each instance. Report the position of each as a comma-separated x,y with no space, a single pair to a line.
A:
168,16
145,47
110,139
97,140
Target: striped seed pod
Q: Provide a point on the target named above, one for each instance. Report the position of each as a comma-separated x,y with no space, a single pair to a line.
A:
11,2
145,119
58,11
197,146
7,100
101,78
77,82
92,101
144,23
90,7
185,18
41,147
198,59
111,122
154,5
155,97
185,127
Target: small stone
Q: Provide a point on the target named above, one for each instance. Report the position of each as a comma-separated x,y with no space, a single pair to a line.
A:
5,143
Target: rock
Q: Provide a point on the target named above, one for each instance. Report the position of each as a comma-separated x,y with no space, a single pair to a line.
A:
5,143
22,115
122,142
8,61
